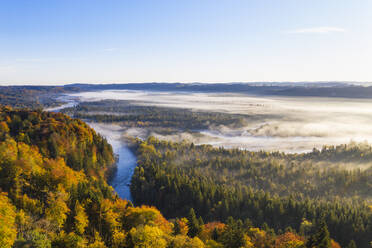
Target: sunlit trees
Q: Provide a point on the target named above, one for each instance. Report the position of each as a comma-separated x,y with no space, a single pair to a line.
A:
81,219
289,240
181,226
119,239
57,209
283,192
147,237
39,238
182,241
145,215
8,231
71,240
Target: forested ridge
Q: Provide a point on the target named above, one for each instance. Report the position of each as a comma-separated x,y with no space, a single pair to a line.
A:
274,189
131,115
53,193
32,96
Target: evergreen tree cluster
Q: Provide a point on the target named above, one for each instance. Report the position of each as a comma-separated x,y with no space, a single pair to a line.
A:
275,189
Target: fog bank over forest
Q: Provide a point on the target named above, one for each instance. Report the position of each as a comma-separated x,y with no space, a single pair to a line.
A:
291,124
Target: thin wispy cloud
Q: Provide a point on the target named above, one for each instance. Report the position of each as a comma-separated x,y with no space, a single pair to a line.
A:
317,30
32,60
111,49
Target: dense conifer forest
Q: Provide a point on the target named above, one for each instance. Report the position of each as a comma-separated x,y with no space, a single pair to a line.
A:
270,190
133,114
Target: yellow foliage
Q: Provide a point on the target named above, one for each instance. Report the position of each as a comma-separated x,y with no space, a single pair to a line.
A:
60,173
29,159
147,237
256,232
8,231
57,209
120,205
247,242
81,218
110,217
213,244
30,205
98,243
258,237
145,148
118,239
8,151
289,240
70,240
144,215
183,241
184,228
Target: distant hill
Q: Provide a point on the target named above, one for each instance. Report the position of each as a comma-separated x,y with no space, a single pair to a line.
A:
45,96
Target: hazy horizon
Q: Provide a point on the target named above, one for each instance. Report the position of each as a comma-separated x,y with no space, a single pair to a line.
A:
290,124
363,83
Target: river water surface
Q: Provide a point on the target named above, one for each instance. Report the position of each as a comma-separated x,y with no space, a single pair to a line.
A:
127,161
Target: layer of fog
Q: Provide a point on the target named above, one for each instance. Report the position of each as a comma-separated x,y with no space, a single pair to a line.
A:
291,124
68,101
126,163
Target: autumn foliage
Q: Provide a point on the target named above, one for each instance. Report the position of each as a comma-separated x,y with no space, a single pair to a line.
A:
53,193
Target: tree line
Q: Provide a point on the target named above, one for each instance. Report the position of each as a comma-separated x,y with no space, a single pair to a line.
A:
274,189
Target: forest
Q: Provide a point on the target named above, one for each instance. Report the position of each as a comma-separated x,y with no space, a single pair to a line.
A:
32,96
54,193
315,89
37,96
133,114
272,190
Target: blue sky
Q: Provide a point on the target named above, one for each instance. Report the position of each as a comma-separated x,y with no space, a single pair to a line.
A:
98,41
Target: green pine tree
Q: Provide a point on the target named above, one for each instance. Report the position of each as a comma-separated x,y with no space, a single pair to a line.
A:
352,244
193,224
321,238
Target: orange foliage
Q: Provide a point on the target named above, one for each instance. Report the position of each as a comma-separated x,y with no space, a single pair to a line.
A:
4,127
8,151
289,240
208,229
184,228
146,215
334,244
29,159
61,173
120,205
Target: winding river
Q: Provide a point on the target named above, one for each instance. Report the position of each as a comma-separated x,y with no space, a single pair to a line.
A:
127,161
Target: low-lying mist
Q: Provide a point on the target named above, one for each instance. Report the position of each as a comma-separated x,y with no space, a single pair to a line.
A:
288,124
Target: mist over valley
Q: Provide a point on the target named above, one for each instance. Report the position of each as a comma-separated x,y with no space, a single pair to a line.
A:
290,124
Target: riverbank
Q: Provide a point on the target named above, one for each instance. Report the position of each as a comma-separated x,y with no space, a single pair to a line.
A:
126,159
